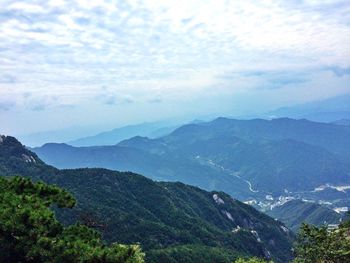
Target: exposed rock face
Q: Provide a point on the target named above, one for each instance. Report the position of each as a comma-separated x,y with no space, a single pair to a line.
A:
228,215
267,254
28,159
286,230
218,200
1,138
256,235
235,230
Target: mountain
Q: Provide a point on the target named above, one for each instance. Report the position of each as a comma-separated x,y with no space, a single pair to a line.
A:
245,158
114,136
329,136
345,122
157,167
328,110
173,222
296,212
61,135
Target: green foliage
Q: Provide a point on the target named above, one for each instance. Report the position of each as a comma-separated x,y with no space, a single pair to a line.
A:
296,212
29,231
252,260
191,254
162,215
273,155
346,223
128,208
321,245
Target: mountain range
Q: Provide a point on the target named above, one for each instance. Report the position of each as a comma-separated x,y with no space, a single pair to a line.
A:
173,222
345,122
327,110
112,137
245,158
334,110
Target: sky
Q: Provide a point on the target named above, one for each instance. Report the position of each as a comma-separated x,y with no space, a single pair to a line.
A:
104,64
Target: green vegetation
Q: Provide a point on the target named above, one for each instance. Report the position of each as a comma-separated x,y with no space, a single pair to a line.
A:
167,219
29,231
297,155
252,260
173,222
191,253
296,212
318,245
321,245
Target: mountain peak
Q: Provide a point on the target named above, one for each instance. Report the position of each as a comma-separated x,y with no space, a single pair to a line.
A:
221,119
15,156
11,143
50,144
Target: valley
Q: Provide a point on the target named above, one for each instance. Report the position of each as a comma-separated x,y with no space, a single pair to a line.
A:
263,163
135,131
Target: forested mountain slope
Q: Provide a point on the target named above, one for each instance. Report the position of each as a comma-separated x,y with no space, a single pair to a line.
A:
245,158
168,219
296,212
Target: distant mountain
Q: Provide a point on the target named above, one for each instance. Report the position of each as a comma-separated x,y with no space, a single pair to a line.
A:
172,221
243,158
296,212
345,122
60,135
333,138
328,110
155,165
152,130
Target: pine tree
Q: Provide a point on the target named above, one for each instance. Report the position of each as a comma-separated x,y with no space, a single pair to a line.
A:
29,231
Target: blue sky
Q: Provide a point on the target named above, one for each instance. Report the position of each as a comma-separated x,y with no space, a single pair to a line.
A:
108,63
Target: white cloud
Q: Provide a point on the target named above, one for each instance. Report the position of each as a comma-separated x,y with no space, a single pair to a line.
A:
29,8
166,49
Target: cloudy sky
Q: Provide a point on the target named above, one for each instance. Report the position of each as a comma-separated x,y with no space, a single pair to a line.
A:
107,63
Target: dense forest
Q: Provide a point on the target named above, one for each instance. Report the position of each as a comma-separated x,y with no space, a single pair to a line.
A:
225,154
29,231
170,222
187,131
166,218
296,212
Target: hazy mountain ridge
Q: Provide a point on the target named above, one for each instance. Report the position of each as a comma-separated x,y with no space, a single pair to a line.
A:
114,136
327,110
227,154
345,122
131,208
